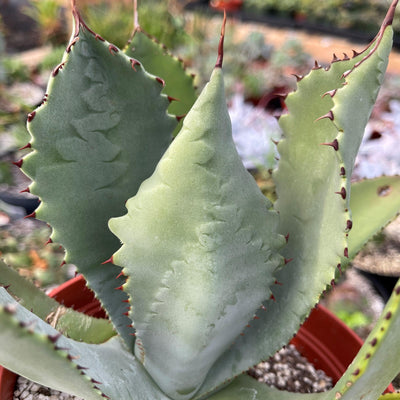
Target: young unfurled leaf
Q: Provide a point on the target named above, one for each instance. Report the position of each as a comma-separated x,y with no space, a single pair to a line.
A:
199,249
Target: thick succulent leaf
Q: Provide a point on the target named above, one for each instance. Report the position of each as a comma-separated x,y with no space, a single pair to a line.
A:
378,361
374,203
71,323
98,135
24,344
199,249
158,61
353,104
248,388
81,327
311,183
32,348
27,294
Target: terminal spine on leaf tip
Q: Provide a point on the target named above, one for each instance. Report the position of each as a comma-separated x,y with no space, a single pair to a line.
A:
220,58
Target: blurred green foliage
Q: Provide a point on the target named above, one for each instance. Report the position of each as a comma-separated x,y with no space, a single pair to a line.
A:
14,70
251,65
362,15
49,16
114,20
170,29
2,52
111,19
26,251
52,59
5,173
354,319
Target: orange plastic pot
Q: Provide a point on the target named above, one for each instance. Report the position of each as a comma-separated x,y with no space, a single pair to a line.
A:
328,343
323,339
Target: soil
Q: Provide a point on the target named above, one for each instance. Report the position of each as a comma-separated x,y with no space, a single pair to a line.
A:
27,390
382,257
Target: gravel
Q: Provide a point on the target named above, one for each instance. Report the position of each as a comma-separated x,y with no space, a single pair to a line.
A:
288,370
27,390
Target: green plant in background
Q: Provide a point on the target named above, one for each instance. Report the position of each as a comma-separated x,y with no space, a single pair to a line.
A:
255,48
271,67
12,112
113,20
14,69
252,63
211,277
25,252
170,29
283,62
2,52
359,15
110,19
290,55
51,59
48,15
354,319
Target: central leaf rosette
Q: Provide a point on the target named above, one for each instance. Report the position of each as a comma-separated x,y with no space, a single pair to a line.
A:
199,250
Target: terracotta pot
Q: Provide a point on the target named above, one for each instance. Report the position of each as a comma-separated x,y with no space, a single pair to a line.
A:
323,339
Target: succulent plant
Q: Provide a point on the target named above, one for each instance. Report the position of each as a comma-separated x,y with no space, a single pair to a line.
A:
211,277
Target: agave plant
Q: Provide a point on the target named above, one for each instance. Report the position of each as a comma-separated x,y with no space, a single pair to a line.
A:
211,277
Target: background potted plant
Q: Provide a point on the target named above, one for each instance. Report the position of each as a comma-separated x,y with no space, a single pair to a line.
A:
202,249
228,5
